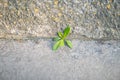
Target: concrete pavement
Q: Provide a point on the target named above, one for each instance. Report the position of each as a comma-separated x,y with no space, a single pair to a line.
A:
35,60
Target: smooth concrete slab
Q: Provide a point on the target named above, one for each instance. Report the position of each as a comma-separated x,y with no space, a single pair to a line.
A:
35,60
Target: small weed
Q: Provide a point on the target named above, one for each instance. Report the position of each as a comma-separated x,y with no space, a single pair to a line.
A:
61,39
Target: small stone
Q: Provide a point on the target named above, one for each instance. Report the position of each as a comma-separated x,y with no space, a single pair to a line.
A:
1,15
59,14
108,6
36,10
56,2
5,4
13,31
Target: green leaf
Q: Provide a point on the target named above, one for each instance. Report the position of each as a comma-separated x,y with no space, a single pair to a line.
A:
60,34
58,44
69,44
56,39
66,31
61,43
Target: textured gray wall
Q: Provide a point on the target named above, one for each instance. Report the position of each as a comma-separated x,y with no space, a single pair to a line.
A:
98,19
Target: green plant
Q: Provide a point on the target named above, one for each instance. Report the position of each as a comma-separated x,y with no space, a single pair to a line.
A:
61,39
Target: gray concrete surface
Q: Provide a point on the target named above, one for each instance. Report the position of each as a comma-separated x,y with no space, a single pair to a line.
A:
96,19
34,60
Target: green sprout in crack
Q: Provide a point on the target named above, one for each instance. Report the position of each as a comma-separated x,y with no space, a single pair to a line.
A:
61,40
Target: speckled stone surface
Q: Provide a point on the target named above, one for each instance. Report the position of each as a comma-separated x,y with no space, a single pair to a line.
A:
97,19
34,60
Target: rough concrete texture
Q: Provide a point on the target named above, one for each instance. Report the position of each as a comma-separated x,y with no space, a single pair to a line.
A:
34,60
98,19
